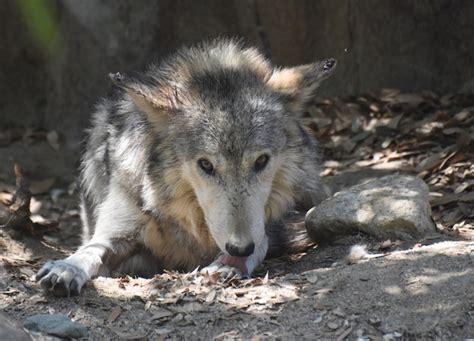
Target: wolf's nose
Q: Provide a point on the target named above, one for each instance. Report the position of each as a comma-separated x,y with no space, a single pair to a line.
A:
240,251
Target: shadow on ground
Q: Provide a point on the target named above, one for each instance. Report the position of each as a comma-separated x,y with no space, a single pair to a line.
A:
421,292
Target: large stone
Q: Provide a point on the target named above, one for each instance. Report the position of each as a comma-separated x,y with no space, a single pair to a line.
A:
395,206
10,331
55,324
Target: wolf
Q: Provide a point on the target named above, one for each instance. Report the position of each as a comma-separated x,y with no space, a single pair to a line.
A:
194,162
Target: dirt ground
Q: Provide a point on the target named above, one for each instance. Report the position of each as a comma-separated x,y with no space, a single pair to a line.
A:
424,292
419,289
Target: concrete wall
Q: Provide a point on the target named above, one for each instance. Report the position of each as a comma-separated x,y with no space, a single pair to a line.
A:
407,44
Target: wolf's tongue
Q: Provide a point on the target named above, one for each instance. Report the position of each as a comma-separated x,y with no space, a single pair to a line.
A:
236,262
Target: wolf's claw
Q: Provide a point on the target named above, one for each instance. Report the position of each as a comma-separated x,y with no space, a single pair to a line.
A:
61,278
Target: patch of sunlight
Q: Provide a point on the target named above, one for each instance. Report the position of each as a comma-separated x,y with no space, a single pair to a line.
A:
382,192
190,292
415,288
447,248
365,214
439,306
424,283
390,165
393,290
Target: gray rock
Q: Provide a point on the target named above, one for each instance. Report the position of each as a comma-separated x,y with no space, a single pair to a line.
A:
58,325
10,331
395,206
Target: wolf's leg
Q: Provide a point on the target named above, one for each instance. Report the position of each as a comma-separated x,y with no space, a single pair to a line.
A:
244,271
114,239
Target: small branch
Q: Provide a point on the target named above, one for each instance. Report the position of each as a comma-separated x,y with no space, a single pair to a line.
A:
16,215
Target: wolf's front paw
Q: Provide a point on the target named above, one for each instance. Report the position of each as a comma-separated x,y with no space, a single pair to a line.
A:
61,278
225,271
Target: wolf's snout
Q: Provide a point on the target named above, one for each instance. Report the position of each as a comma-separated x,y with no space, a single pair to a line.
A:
236,251
329,64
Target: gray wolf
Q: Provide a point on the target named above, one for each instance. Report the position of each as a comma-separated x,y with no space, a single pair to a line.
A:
194,162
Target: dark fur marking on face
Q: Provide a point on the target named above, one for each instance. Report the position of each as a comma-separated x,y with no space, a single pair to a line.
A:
224,83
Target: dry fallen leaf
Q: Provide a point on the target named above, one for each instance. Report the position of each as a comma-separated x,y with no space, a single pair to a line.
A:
39,298
114,314
463,186
189,307
10,262
464,114
430,162
27,272
408,98
467,197
161,313
210,296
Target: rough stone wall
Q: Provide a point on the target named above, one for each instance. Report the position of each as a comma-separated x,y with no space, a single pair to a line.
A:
412,45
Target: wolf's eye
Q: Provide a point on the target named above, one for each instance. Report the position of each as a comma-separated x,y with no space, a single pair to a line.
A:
261,162
206,166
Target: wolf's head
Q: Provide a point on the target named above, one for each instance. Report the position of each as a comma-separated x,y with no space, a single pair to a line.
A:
232,118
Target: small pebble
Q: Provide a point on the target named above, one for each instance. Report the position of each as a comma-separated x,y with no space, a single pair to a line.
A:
339,312
392,336
375,321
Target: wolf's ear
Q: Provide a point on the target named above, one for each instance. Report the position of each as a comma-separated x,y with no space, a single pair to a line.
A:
299,83
148,97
